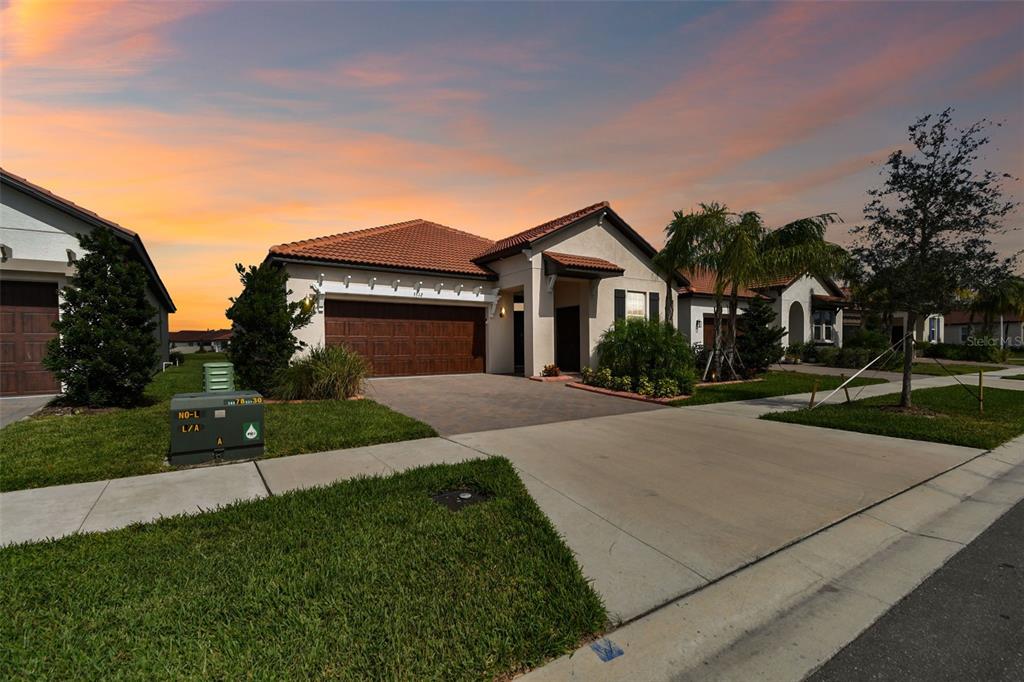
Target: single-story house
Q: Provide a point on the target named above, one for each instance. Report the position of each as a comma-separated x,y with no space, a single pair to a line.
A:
809,308
38,249
960,325
421,298
199,341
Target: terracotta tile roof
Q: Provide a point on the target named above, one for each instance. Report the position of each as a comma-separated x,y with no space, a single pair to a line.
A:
570,260
521,239
964,316
411,245
783,282
828,299
702,283
88,216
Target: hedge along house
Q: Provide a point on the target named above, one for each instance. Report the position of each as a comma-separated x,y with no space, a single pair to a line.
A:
422,298
38,249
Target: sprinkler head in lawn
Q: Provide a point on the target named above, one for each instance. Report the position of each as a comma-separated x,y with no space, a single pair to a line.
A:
460,498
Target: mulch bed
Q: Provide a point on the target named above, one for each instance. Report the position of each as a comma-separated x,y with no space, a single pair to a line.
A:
69,410
625,394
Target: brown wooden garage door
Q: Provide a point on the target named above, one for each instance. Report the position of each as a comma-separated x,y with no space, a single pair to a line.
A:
27,313
408,338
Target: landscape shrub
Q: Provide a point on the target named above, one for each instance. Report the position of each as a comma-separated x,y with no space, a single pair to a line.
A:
176,356
622,384
105,351
828,355
669,388
637,347
326,373
867,338
758,338
550,371
263,322
976,349
644,386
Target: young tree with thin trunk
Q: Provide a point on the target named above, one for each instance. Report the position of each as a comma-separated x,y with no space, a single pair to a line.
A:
928,235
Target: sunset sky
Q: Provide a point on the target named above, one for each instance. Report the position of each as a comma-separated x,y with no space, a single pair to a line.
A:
218,129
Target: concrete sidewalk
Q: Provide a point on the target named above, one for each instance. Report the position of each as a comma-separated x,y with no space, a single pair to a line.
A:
761,406
42,513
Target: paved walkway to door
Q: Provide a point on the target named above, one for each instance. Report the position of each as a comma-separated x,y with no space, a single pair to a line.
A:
466,403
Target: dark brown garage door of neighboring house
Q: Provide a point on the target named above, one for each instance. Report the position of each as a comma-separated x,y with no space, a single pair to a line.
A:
27,313
407,338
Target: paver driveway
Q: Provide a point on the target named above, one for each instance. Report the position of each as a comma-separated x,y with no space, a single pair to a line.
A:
465,403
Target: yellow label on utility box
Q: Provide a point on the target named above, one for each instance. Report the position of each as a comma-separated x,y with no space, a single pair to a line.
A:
188,414
191,428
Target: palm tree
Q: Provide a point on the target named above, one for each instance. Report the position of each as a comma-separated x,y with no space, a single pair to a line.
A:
750,254
688,242
1004,297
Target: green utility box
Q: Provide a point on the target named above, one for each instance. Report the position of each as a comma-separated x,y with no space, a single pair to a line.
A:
218,376
217,425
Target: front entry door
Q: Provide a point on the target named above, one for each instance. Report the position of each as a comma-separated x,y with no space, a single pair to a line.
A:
567,338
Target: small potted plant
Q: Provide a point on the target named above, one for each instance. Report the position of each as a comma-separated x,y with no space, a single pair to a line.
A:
550,371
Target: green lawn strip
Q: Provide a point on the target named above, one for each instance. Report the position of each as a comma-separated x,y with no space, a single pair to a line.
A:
955,418
365,579
56,450
1012,376
773,384
947,368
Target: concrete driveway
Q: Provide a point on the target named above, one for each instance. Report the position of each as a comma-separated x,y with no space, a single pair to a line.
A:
464,403
657,504
13,409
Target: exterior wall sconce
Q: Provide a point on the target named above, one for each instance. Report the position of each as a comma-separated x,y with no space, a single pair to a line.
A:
458,289
72,257
438,287
348,279
698,324
394,285
5,253
373,282
501,311
416,287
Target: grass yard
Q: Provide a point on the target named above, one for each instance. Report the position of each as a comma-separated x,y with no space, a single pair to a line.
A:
933,369
1013,376
55,450
773,384
365,579
942,415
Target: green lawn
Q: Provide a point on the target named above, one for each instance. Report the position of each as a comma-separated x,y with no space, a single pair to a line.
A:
70,449
934,369
365,579
950,415
1013,376
773,384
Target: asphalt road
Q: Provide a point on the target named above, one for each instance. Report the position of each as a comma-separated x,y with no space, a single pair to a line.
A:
965,622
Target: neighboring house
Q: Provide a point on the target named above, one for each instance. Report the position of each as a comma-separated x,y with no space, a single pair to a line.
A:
38,249
198,341
960,325
809,308
422,298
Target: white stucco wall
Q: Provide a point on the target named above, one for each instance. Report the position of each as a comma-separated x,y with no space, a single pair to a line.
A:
599,239
802,291
39,237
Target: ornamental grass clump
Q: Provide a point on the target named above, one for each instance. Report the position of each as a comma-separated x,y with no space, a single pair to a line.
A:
326,373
